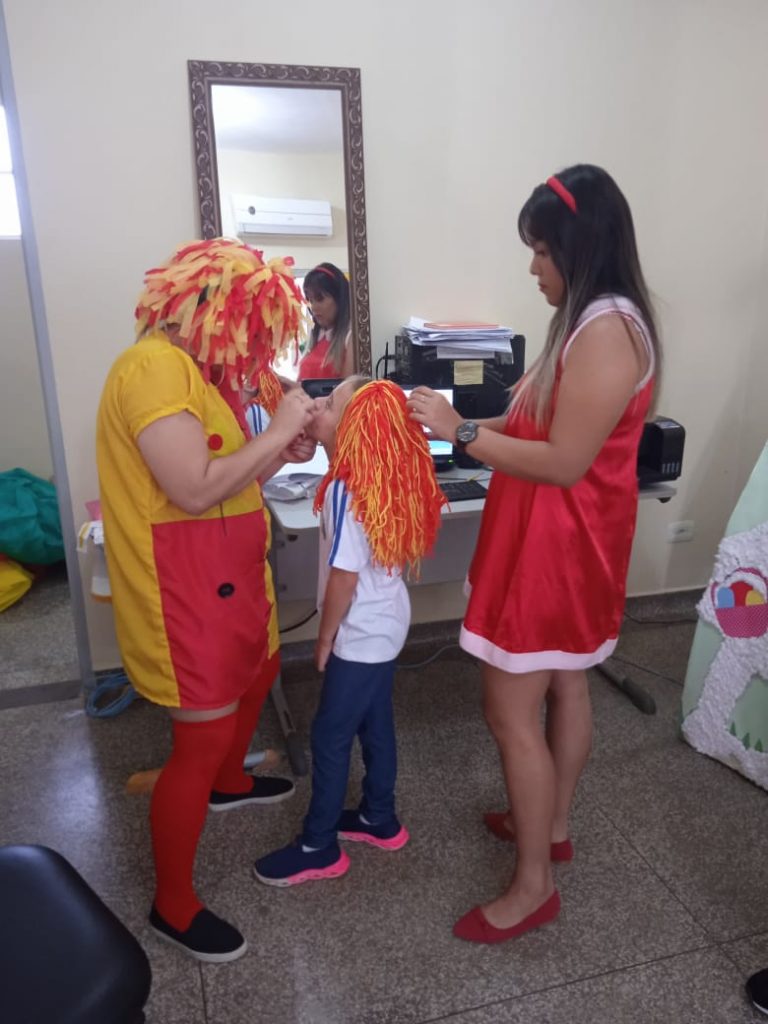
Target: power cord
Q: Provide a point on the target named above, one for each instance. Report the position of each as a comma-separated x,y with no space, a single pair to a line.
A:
94,705
386,358
412,666
661,622
643,668
301,622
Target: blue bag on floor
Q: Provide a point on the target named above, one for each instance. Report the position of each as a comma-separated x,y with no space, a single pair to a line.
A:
30,527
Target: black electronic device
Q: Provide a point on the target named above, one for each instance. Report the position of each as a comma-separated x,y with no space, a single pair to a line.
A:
441,451
660,455
462,490
319,387
480,386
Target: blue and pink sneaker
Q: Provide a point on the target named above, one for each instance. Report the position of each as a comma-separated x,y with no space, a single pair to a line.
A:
391,836
292,865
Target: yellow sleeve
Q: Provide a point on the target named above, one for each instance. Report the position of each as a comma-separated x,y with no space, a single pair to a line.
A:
162,384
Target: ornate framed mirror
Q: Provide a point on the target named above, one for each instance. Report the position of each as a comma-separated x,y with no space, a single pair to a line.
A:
279,160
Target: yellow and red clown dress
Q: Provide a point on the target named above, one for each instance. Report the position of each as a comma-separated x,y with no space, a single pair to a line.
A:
193,598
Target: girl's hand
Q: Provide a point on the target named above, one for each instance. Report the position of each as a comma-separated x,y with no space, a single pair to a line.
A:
434,412
301,449
323,649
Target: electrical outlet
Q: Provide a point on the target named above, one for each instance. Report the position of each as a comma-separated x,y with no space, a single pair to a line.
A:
678,533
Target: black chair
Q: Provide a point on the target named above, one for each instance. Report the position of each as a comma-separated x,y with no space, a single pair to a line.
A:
64,956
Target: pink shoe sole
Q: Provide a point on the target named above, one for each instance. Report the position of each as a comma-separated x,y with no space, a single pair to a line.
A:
395,843
341,867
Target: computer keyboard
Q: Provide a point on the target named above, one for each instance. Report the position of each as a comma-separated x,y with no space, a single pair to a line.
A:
462,490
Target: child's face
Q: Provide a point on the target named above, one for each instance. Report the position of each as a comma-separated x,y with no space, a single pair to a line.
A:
323,308
329,409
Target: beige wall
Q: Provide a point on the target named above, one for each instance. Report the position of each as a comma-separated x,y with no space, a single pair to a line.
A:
288,176
753,418
465,108
23,430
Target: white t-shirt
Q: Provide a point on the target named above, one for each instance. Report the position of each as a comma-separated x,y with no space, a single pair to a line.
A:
257,419
376,625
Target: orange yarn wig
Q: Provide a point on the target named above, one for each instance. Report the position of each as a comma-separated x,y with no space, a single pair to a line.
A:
269,390
232,309
383,457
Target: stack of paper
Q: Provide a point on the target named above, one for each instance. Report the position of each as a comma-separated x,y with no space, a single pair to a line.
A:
467,340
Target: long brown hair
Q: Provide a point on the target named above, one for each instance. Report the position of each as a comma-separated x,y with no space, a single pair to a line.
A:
595,251
327,279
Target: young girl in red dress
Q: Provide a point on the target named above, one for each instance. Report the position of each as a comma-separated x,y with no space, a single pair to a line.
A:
547,581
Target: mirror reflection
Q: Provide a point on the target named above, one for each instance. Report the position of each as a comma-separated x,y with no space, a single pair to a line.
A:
281,181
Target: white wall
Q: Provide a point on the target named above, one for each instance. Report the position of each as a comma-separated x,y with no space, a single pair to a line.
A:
288,176
465,109
23,430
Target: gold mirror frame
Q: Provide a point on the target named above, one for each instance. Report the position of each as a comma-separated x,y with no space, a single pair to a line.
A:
203,74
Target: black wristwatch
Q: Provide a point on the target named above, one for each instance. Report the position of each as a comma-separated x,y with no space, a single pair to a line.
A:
466,433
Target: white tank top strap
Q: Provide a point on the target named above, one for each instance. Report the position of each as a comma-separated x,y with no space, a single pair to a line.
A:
628,311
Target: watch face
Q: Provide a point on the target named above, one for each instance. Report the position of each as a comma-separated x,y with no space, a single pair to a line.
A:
466,432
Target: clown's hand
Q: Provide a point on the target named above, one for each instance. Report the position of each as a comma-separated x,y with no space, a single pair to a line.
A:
301,449
295,411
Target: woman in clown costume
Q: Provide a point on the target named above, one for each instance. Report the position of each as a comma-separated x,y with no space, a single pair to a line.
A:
186,538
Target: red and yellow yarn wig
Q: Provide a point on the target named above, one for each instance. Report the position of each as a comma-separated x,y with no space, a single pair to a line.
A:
383,457
269,390
232,310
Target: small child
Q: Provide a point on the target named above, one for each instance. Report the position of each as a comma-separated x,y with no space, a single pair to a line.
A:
380,511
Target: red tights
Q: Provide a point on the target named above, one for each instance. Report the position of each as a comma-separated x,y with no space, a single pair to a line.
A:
206,755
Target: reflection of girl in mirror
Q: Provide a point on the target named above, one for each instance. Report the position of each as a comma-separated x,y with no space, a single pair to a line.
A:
329,353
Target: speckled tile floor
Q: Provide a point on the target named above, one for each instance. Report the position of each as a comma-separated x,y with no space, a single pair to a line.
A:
665,907
37,637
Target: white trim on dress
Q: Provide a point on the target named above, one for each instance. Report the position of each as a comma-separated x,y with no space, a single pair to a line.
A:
535,661
627,310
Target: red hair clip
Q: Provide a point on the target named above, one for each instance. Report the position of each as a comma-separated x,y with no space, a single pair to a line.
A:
560,190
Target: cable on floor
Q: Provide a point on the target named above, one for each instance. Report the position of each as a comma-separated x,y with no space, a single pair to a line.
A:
688,620
411,666
301,622
116,681
643,668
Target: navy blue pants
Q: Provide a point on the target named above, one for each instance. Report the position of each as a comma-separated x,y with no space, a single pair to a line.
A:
356,700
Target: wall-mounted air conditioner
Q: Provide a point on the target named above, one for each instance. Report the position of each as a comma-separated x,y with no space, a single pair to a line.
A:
258,215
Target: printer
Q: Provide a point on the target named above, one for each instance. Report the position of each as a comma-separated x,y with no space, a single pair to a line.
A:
480,386
660,455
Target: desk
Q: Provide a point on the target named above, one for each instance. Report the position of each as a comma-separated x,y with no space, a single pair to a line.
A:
295,540
295,551
294,554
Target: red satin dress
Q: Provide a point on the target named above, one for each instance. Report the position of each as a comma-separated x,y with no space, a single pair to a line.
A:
312,365
547,582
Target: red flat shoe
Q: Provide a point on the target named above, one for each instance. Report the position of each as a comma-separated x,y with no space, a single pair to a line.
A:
475,927
494,822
